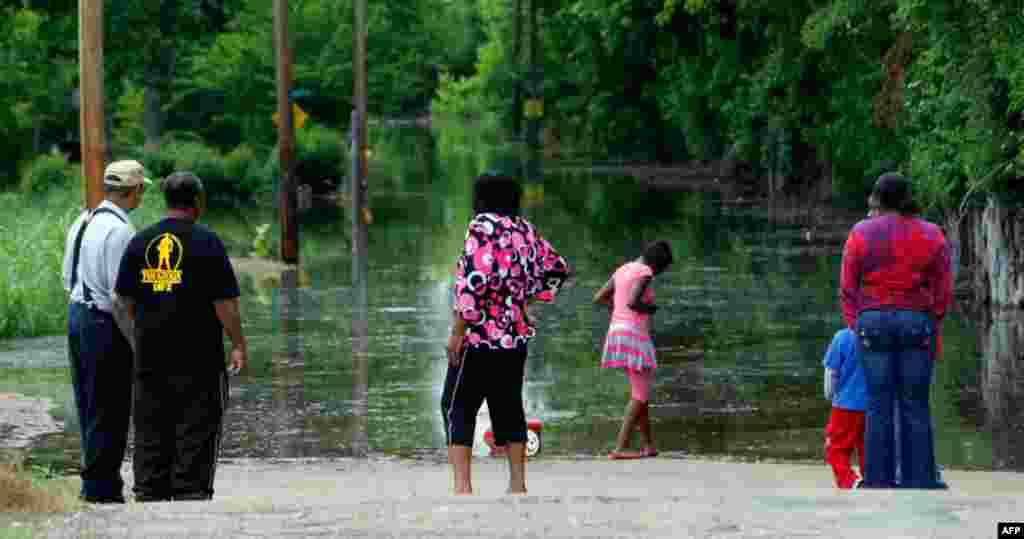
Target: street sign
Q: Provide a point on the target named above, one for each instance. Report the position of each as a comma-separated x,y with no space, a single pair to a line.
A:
534,108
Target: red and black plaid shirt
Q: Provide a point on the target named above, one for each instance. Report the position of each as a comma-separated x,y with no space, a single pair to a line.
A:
895,262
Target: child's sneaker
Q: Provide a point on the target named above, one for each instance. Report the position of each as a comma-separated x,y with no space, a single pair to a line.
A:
857,483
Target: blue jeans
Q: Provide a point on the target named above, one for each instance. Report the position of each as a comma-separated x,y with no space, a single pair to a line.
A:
896,349
101,375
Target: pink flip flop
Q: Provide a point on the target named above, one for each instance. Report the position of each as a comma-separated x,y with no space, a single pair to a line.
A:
648,452
625,455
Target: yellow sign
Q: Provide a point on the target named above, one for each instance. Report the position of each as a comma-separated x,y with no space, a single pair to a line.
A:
533,195
534,108
165,273
298,117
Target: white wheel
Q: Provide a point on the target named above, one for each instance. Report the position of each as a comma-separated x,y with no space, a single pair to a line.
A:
532,443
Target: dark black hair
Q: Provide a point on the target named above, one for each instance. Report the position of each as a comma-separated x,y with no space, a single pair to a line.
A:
894,193
182,190
658,255
495,192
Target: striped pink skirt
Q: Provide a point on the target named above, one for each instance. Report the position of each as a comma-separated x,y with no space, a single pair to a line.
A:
628,346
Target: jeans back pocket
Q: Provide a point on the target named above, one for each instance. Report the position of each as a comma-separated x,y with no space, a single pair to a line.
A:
918,336
874,338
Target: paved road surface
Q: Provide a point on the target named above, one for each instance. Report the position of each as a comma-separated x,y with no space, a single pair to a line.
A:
662,497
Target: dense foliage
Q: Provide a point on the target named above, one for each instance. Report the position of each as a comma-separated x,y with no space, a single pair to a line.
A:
794,88
935,88
181,74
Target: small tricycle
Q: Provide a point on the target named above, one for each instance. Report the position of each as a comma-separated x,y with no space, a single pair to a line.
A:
533,435
533,440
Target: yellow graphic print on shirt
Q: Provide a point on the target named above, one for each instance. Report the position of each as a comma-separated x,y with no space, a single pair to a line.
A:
166,249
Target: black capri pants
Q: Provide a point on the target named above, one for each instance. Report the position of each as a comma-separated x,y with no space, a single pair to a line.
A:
495,375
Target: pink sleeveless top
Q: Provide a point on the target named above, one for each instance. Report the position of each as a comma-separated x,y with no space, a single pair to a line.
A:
623,278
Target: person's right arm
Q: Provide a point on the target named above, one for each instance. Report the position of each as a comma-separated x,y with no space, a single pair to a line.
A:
69,247
126,289
230,315
116,250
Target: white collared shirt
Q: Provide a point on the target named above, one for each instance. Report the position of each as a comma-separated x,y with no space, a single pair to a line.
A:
104,242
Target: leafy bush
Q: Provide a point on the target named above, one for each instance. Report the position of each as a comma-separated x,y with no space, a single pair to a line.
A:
229,179
47,172
158,164
321,157
33,491
206,163
319,160
32,298
33,230
128,119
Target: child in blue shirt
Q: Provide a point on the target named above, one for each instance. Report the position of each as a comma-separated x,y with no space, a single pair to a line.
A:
846,387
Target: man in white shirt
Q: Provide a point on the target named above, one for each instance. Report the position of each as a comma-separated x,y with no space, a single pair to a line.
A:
99,336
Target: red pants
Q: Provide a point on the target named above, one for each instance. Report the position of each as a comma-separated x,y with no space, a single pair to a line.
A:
843,434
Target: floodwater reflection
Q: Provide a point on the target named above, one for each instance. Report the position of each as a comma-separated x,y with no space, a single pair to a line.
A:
346,358
1002,383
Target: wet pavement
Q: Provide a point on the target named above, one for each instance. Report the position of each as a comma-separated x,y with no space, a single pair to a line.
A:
662,497
23,418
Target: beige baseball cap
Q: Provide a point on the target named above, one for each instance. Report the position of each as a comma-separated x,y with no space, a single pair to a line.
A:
126,174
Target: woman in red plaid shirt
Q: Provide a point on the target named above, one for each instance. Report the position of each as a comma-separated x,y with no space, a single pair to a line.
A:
895,287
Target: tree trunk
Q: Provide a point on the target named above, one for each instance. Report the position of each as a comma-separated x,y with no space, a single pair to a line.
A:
159,74
152,116
1002,386
999,255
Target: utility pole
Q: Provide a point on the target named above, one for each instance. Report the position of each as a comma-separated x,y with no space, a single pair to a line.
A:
360,210
91,113
286,136
361,217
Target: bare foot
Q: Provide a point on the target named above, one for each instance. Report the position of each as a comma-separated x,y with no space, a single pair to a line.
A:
463,491
516,491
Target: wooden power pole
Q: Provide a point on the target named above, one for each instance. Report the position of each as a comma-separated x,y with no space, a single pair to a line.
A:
360,209
286,136
91,114
360,219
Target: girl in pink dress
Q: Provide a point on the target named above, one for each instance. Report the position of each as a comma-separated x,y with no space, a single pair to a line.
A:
628,345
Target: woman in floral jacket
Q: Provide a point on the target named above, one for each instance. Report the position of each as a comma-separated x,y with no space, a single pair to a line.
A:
505,265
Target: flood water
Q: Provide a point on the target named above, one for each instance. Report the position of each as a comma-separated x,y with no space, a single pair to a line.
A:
747,312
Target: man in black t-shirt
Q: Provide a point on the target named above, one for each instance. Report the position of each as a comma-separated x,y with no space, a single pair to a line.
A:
177,282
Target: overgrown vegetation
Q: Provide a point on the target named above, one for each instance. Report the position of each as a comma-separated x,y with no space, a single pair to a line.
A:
794,89
35,490
797,88
32,235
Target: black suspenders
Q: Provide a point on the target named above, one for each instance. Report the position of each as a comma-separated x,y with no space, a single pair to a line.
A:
78,250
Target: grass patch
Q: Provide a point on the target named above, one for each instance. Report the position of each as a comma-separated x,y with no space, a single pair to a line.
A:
35,491
32,234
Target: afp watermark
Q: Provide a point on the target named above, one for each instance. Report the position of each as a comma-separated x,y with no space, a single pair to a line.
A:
1010,529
